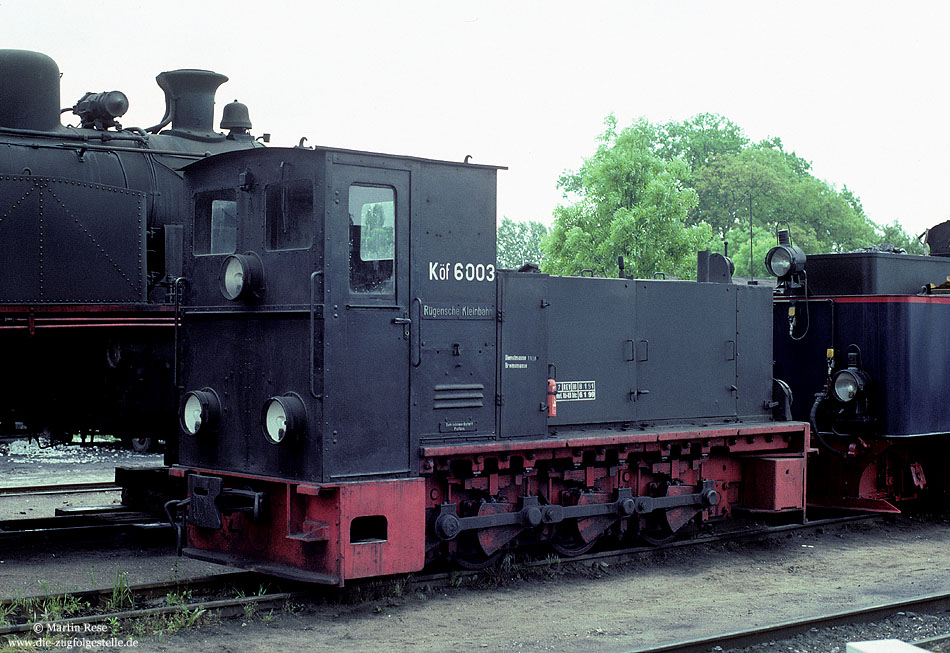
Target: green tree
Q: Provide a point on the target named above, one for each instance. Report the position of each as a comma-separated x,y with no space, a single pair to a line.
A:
520,243
700,140
657,193
737,186
738,239
629,202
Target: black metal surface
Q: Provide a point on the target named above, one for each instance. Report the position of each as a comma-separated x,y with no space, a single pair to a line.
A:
901,345
105,525
631,351
69,246
452,279
938,239
450,346
873,273
686,350
590,338
523,359
204,492
366,396
29,90
754,342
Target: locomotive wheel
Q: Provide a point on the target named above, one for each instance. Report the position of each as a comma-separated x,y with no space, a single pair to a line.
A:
569,543
494,539
473,558
657,535
662,525
56,435
141,445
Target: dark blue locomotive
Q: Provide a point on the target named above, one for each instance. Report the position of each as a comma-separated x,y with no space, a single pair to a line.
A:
862,340
91,245
366,392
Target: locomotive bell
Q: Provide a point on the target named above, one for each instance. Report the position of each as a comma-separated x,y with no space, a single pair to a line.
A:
235,116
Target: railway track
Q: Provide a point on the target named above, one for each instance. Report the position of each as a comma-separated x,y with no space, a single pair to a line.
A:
61,488
246,591
107,523
613,556
786,630
71,525
233,594
229,594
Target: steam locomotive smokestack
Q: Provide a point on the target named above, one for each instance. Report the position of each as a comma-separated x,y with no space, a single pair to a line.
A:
29,91
189,98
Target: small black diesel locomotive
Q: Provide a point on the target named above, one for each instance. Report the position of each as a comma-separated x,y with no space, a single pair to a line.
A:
364,392
90,247
862,340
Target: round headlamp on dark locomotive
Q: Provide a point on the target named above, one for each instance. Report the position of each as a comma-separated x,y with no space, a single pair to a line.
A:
860,337
91,247
200,412
785,261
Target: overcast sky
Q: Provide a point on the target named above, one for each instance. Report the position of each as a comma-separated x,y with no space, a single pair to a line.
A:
858,88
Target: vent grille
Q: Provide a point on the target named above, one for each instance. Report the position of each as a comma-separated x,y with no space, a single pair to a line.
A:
458,395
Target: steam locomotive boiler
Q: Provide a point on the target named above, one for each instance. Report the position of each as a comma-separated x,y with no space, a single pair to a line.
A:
366,392
90,247
862,339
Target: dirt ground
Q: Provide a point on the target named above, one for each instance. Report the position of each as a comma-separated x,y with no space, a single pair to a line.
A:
658,599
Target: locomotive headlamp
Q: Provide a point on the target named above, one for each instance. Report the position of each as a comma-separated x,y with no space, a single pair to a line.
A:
849,383
784,259
200,411
283,417
241,276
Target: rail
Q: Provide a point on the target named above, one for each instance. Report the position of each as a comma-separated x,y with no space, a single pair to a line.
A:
787,629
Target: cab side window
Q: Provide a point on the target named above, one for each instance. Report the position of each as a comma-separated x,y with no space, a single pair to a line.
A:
372,240
288,214
215,222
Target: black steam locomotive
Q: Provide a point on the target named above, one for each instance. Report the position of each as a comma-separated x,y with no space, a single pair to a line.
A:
862,340
91,246
366,392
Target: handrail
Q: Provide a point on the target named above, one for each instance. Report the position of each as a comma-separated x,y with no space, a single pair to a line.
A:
313,334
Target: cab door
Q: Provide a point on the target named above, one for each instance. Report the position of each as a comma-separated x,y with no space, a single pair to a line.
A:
366,398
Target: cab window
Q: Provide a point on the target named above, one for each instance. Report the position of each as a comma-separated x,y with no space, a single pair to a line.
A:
288,214
215,222
372,240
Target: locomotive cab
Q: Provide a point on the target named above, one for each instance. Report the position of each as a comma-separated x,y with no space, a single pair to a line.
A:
298,340
300,277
